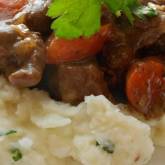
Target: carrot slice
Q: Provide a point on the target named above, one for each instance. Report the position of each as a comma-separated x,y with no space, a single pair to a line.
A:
145,85
62,50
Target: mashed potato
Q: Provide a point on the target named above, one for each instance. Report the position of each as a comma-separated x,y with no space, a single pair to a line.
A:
158,131
157,125
52,133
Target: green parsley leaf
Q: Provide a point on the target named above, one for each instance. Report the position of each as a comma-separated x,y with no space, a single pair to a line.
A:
130,8
107,146
115,6
145,11
16,154
75,18
9,132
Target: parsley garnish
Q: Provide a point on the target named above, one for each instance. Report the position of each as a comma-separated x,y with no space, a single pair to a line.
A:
76,18
16,154
143,11
107,146
9,132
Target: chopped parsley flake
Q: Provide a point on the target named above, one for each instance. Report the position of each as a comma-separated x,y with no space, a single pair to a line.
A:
16,154
107,146
145,11
9,132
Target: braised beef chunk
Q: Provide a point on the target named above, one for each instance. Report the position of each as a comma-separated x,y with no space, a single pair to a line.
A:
146,34
151,35
116,57
74,81
34,16
117,53
22,55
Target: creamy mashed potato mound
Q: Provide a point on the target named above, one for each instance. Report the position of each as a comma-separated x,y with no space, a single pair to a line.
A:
53,133
158,131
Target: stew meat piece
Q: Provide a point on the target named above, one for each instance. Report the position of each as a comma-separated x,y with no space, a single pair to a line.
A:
34,16
22,55
116,57
74,81
149,33
146,34
117,52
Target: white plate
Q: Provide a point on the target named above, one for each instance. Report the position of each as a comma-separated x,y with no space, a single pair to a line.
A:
158,157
